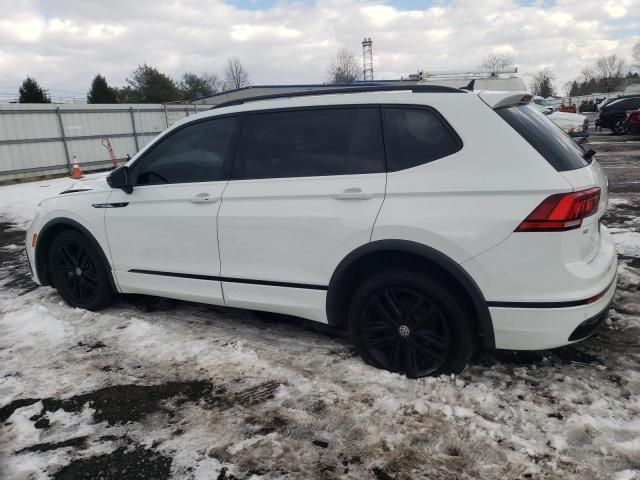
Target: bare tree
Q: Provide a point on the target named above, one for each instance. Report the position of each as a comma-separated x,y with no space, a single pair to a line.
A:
344,68
495,61
235,75
610,67
542,82
588,74
566,89
635,53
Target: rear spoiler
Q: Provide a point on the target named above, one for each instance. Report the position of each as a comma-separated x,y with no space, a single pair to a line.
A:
505,99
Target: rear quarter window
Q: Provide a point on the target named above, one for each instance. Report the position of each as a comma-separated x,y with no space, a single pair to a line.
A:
415,136
546,137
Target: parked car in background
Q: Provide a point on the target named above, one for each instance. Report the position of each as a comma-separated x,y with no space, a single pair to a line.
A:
569,108
633,121
544,103
613,113
587,106
576,125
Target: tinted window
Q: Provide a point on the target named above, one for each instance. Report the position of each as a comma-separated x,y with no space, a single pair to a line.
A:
313,142
416,136
195,153
625,103
545,136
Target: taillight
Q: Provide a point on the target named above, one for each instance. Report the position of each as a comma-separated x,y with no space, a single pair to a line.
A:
561,212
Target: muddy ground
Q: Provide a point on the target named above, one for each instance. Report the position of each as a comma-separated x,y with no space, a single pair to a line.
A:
282,400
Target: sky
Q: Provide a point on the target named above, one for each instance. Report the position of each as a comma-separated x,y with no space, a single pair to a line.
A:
64,43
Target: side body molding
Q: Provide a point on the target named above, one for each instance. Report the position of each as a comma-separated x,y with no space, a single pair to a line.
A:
478,301
44,238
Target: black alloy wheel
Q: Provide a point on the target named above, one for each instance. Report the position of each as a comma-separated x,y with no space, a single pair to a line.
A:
406,331
407,323
78,272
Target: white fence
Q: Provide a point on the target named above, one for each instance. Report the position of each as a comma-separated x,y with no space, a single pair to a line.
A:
42,139
578,99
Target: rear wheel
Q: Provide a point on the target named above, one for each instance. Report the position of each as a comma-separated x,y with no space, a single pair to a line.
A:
409,323
620,127
78,272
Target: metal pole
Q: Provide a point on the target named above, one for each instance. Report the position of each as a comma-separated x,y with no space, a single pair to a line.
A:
166,117
133,125
63,137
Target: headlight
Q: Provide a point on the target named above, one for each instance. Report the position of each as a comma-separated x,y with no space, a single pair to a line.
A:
573,130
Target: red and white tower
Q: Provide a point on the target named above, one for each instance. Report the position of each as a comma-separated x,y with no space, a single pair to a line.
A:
367,59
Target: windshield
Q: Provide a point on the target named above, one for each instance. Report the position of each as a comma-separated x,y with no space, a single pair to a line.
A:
546,137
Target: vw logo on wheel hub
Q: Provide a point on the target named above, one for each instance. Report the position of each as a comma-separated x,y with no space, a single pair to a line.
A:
404,331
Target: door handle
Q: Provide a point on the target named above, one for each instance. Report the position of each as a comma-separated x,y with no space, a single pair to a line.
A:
204,198
352,194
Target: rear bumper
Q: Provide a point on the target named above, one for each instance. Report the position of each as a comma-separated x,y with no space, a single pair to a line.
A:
543,328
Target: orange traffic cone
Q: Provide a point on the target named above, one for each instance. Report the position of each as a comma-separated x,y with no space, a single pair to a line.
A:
75,170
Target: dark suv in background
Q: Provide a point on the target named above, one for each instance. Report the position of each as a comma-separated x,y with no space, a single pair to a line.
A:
613,113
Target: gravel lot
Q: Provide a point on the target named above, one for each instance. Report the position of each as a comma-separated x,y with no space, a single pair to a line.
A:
164,389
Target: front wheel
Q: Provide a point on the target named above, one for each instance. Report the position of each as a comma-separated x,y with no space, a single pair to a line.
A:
409,323
78,272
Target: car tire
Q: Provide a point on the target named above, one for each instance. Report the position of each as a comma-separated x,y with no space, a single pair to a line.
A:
620,127
78,272
410,323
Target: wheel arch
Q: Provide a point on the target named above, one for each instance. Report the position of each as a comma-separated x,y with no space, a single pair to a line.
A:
47,234
384,253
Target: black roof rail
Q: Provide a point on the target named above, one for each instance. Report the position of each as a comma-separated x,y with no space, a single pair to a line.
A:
333,90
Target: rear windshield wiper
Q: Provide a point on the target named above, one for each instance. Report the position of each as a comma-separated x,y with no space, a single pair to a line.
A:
588,155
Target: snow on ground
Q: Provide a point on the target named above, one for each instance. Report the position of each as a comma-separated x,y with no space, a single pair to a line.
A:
18,202
628,243
165,389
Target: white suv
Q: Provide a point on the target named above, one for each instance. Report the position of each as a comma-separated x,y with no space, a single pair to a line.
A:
428,220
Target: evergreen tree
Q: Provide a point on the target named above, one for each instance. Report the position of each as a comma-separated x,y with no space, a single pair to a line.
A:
542,83
101,92
148,85
193,85
31,92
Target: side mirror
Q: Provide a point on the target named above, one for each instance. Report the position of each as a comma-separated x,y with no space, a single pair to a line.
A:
119,178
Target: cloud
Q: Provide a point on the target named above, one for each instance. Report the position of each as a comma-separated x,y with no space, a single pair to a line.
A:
64,43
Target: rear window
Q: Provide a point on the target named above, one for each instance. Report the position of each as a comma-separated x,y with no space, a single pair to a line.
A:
546,137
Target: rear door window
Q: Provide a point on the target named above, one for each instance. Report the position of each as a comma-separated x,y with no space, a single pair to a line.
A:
311,142
414,136
546,137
